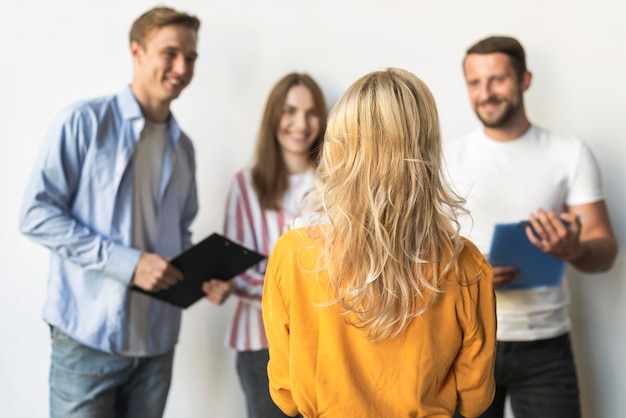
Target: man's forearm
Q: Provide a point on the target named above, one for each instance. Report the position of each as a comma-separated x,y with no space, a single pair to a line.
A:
597,255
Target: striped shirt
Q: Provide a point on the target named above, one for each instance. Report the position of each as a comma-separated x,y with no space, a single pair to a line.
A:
259,229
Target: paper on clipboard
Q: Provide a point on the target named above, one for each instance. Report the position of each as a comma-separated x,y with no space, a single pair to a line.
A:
510,247
215,257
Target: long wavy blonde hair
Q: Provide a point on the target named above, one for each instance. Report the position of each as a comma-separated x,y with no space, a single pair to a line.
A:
392,230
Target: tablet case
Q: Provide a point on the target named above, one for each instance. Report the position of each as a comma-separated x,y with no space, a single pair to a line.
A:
510,247
215,257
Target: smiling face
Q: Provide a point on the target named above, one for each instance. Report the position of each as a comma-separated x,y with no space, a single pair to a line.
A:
494,88
164,66
299,124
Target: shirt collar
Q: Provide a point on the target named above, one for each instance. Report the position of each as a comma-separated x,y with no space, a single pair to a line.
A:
130,109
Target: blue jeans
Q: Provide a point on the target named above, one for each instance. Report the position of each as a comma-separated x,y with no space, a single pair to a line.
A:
252,371
539,376
90,383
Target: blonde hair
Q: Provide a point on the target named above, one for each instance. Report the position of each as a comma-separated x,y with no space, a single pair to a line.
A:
392,229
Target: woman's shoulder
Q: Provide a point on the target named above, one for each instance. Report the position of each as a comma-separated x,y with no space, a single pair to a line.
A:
303,242
295,237
470,250
242,179
472,264
244,174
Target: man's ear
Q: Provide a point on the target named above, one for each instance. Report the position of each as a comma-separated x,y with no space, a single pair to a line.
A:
135,49
526,79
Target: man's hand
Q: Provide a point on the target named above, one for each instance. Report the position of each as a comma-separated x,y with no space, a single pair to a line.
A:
556,236
154,273
503,275
217,291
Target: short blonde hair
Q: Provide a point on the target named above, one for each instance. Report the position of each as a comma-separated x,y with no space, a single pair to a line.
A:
392,217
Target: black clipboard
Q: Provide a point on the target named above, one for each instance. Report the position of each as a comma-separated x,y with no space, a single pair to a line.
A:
510,247
215,257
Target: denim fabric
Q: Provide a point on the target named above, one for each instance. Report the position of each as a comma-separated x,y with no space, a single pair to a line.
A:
90,383
252,371
540,378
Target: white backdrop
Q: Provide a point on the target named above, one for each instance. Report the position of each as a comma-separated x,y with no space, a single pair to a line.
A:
57,52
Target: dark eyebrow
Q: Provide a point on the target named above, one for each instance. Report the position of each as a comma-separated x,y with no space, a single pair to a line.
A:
193,54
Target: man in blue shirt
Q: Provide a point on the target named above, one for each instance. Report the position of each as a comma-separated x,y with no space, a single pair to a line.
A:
113,195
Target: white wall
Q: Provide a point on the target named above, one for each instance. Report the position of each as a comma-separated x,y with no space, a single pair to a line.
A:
56,52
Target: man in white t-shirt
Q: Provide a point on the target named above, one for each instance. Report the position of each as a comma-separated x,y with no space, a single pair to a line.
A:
511,170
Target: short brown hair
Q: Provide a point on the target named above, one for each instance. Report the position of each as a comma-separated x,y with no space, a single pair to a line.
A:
505,45
158,17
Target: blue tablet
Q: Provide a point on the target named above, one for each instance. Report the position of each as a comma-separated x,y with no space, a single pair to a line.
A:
510,247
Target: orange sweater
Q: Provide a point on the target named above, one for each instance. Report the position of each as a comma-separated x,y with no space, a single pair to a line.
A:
321,367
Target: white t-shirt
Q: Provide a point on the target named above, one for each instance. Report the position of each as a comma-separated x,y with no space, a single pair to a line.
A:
300,185
505,182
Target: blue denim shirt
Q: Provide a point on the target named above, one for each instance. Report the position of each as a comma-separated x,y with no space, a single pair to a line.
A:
78,203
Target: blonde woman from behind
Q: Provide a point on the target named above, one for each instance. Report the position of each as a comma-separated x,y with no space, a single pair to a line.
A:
381,309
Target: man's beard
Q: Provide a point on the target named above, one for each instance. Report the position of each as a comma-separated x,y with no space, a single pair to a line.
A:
503,119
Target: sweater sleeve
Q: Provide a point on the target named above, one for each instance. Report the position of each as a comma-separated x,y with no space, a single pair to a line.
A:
475,361
276,320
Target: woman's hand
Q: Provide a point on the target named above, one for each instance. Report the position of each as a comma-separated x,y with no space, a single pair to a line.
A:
217,291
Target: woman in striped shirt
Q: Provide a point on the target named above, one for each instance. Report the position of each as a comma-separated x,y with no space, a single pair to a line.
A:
262,201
